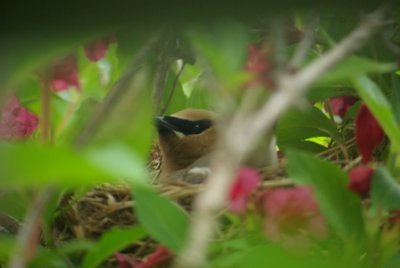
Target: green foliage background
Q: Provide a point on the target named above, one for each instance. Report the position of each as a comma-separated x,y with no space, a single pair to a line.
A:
119,147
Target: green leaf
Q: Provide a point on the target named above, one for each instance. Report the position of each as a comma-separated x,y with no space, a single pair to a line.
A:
395,98
91,83
385,191
393,261
201,98
224,47
321,93
47,258
56,257
189,78
164,220
7,244
341,207
273,256
296,127
14,202
30,165
130,119
179,100
379,107
354,66
62,166
117,159
76,246
111,242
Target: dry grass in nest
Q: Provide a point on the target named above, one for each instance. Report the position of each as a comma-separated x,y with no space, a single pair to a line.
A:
100,209
111,205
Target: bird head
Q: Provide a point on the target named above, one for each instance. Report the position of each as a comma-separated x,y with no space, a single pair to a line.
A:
185,137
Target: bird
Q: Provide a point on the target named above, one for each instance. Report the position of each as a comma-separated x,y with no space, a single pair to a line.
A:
186,140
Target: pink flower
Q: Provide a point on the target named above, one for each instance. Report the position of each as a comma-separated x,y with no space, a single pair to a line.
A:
341,104
292,211
160,256
97,49
360,180
247,181
16,121
125,261
64,74
368,133
258,64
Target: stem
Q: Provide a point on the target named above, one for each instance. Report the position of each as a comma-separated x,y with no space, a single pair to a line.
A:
29,233
45,128
163,63
240,137
171,93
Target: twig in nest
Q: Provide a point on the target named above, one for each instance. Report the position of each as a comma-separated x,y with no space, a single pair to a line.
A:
352,163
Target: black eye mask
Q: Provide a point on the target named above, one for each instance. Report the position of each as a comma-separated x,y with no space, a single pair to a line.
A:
187,127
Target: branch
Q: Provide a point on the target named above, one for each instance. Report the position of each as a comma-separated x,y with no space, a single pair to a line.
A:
9,224
164,63
172,90
293,87
29,233
305,44
241,136
45,126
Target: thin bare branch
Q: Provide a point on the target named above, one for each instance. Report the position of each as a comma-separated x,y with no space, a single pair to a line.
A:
278,40
305,44
29,233
240,137
172,90
9,224
163,65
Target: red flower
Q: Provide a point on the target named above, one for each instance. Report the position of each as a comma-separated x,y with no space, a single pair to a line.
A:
341,104
247,181
160,256
124,261
360,180
97,49
291,211
368,133
258,64
64,74
16,121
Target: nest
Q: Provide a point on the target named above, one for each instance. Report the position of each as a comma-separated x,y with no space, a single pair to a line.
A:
100,209
110,205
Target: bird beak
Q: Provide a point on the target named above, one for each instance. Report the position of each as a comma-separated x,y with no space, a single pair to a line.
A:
163,124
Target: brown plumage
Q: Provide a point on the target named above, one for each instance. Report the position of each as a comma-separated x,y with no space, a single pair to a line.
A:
185,140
